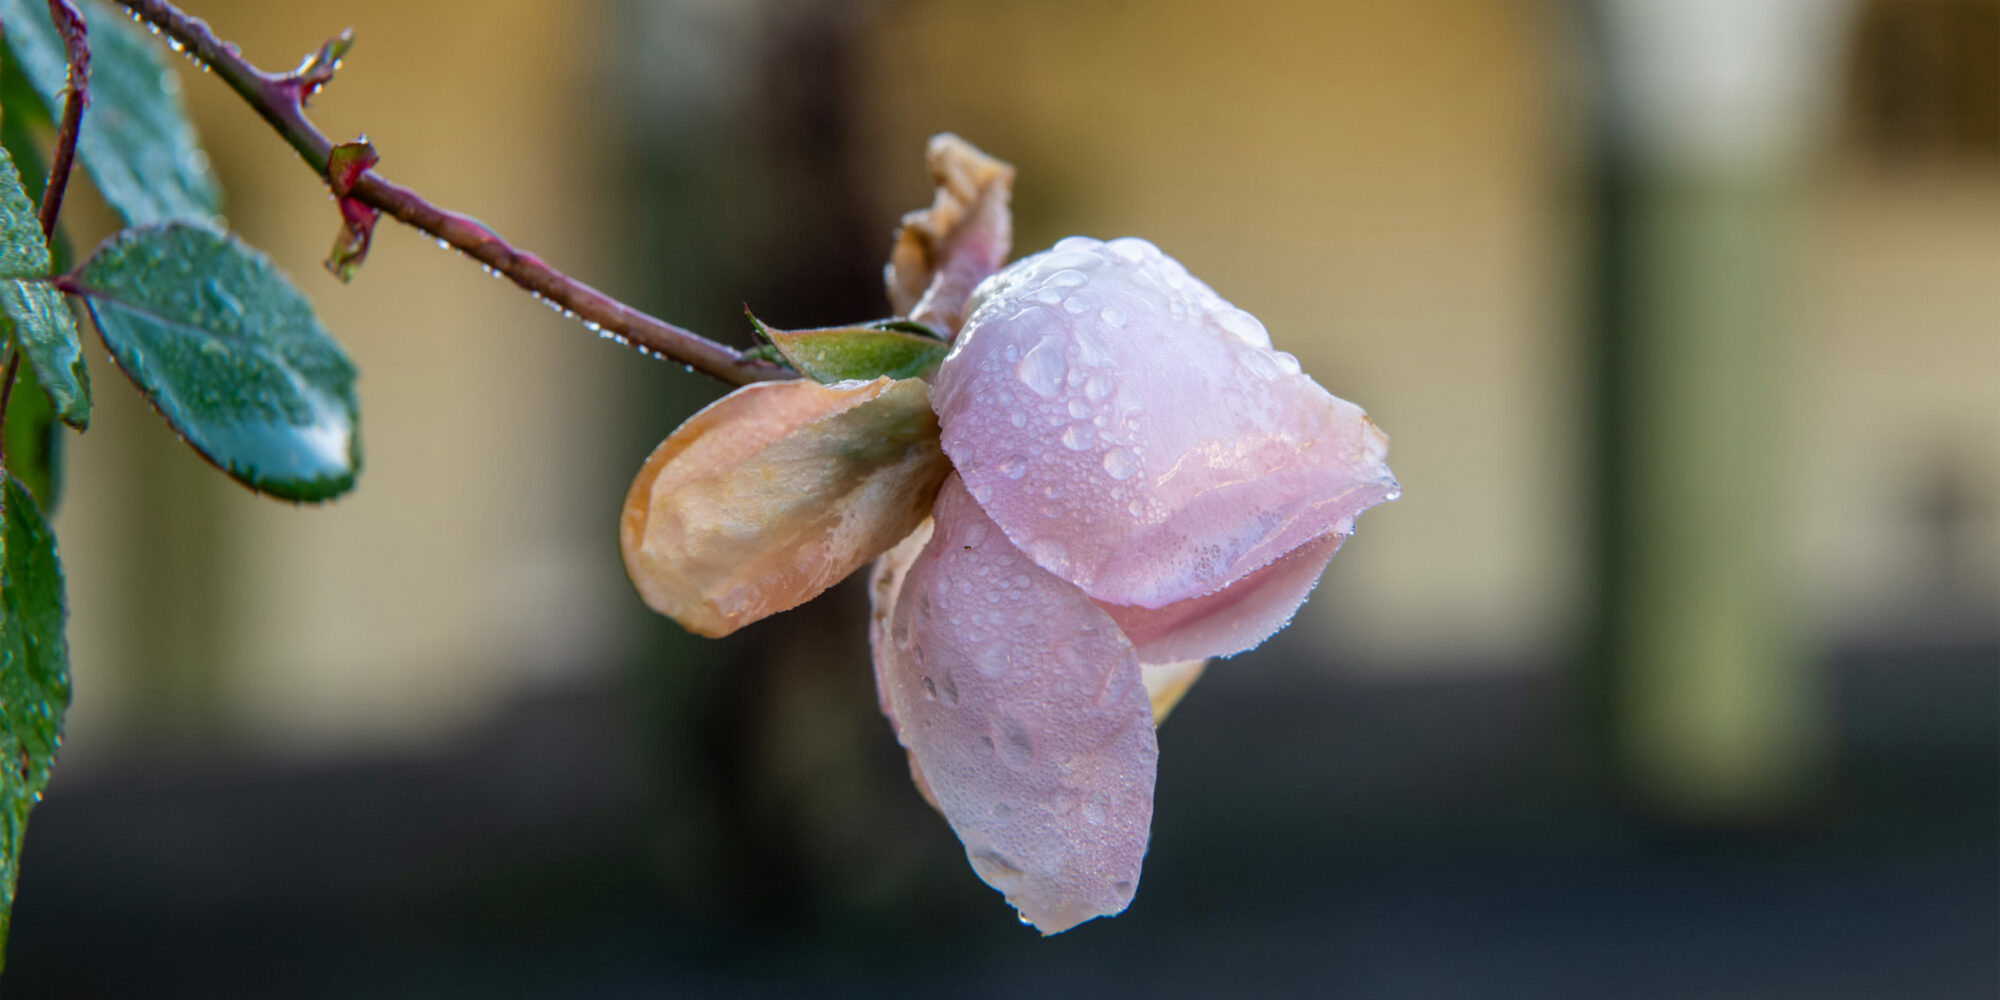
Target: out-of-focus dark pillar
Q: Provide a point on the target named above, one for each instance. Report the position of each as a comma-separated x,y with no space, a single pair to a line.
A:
1704,706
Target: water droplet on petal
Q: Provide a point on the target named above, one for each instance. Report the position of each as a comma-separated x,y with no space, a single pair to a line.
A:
1112,317
992,659
1042,369
1097,809
1014,467
1133,249
1017,750
1078,437
1241,325
1119,463
973,534
1097,388
1260,364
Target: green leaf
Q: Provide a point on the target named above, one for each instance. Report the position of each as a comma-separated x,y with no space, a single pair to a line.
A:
136,140
20,117
844,353
34,443
34,674
230,353
32,312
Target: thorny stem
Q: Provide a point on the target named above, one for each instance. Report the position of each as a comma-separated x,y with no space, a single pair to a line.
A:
280,99
76,97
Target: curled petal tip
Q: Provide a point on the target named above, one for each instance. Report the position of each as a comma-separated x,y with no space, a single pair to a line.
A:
944,251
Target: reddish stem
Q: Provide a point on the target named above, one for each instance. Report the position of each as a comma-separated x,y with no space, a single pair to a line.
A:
280,98
76,97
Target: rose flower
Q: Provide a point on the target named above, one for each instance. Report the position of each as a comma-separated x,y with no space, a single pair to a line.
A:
1109,478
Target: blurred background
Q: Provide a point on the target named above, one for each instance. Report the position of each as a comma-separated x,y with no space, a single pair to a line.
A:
1675,673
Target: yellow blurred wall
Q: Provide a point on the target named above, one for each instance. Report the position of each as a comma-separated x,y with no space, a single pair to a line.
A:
1391,187
456,570
1383,185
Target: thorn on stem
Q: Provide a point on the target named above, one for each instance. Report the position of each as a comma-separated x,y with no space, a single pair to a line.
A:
316,69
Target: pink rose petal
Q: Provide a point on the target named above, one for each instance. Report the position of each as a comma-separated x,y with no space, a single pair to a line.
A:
1236,618
1025,714
1136,435
885,583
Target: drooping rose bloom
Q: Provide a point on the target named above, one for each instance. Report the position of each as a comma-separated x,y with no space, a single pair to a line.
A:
1133,480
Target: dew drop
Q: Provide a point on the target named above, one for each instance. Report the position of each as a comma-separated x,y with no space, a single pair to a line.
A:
1016,749
1068,277
1017,418
1075,306
1097,809
1014,467
1260,364
1119,463
1133,249
1042,368
1078,408
992,659
1049,554
973,534
1082,260
1113,317
1077,437
930,690
1242,326
1097,388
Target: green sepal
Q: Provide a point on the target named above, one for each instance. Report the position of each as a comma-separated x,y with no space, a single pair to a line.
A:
866,351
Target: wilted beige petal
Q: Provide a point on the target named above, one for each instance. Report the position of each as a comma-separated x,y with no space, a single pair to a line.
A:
941,252
776,492
1167,682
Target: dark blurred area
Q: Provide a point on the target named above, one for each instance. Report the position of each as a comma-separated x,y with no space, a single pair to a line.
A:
1675,674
